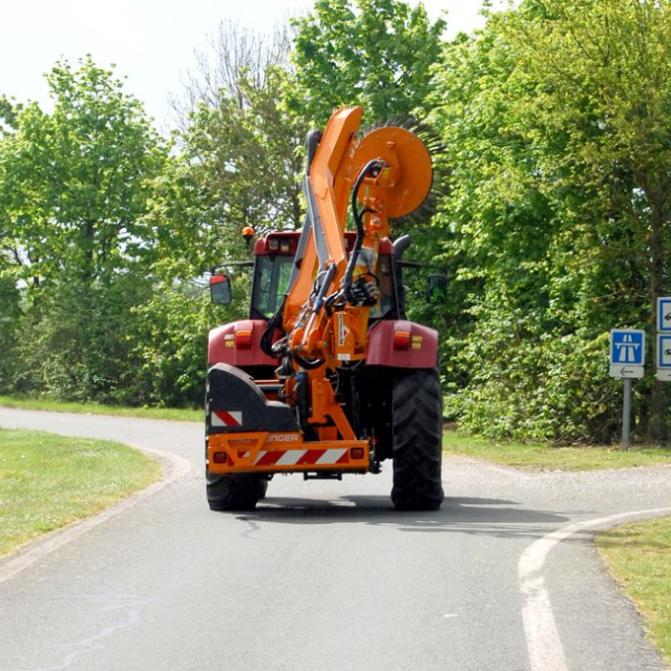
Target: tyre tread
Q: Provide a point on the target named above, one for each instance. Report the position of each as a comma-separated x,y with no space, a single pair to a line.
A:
235,492
417,440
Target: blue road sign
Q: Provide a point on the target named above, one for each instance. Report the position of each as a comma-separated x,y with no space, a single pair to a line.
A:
627,346
664,314
663,351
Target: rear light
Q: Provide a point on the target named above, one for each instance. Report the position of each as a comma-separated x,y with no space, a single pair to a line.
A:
243,339
402,340
220,458
356,452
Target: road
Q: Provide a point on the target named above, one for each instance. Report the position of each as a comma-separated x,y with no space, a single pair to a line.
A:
326,575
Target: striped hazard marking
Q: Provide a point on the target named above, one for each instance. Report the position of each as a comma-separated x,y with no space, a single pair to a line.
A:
226,418
301,457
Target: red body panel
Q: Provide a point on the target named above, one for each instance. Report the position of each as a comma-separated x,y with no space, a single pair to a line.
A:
222,346
422,351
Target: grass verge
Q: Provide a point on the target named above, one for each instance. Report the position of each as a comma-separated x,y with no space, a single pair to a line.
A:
48,481
179,414
545,456
639,558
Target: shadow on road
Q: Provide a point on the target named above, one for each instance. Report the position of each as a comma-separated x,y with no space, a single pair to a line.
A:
481,516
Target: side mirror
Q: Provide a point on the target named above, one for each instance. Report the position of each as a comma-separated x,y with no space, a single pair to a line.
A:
436,289
220,289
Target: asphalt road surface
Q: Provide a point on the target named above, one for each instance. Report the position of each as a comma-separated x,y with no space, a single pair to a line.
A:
326,576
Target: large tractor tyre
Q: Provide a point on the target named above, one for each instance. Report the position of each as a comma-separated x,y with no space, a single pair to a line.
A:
417,440
235,492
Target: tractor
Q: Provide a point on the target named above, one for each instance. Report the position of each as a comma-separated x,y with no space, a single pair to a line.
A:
328,377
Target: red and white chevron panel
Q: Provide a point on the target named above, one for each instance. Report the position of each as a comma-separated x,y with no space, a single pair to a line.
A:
226,418
301,457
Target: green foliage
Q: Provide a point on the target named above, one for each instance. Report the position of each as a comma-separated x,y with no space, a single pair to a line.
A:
8,112
74,189
553,208
106,230
75,182
76,342
244,155
10,314
171,341
375,53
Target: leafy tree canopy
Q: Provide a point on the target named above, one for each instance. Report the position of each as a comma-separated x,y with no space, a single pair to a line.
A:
376,53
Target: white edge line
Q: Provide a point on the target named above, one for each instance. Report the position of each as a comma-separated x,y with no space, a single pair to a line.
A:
39,548
540,629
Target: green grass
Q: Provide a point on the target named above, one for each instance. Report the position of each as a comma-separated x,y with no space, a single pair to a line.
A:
639,557
179,414
545,456
48,481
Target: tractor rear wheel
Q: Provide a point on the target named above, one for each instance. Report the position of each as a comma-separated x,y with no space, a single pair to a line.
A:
417,440
235,492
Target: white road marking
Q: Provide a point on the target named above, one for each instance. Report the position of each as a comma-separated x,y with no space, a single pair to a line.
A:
41,547
543,643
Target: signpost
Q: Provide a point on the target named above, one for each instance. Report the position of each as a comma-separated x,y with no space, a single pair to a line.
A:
664,314
663,362
627,361
664,357
627,358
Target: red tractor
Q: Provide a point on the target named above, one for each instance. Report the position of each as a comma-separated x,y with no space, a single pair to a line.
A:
327,376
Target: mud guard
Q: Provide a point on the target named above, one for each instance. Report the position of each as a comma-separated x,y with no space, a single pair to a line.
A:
235,404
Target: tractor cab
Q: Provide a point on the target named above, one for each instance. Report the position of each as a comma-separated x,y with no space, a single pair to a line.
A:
274,262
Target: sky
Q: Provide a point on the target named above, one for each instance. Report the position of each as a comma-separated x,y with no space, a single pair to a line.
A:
151,42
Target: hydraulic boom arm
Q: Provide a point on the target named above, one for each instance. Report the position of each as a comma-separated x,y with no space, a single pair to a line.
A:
325,314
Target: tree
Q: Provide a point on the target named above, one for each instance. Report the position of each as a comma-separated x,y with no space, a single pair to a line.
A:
76,181
248,156
375,53
553,225
241,151
232,51
606,73
74,187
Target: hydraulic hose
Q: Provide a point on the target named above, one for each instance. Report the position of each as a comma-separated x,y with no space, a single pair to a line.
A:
274,323
372,166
